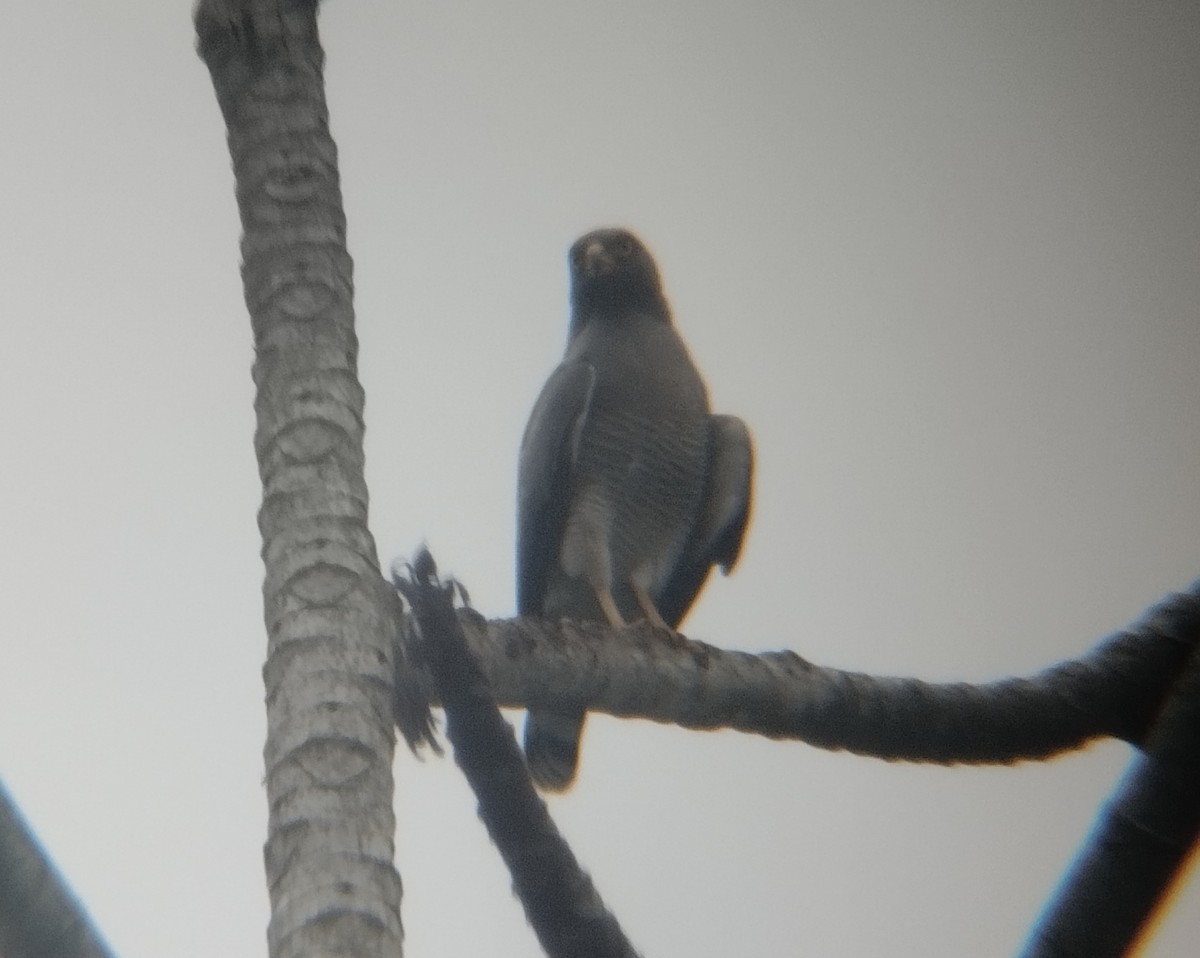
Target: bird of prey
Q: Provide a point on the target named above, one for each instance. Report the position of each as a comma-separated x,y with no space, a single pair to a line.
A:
629,490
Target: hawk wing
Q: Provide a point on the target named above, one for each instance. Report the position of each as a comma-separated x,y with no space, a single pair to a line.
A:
545,477
716,539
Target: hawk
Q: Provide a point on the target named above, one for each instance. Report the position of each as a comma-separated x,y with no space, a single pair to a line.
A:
629,490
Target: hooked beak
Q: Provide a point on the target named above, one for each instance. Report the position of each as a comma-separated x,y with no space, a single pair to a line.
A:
595,259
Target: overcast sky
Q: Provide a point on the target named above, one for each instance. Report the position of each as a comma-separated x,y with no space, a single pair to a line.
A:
941,256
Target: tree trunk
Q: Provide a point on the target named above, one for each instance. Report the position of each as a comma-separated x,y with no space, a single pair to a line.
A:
330,740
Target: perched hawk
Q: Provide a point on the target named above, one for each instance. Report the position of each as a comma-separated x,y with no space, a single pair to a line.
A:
629,490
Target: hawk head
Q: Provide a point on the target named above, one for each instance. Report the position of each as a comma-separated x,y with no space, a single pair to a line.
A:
612,272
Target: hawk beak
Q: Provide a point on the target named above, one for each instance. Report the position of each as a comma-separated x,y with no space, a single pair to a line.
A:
596,259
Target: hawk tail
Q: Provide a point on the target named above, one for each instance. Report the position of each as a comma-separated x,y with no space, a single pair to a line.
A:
552,748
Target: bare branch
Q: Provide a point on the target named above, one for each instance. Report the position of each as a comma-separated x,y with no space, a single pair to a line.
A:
638,672
38,914
562,905
1136,850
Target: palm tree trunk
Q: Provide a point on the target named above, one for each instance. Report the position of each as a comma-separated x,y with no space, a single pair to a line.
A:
330,738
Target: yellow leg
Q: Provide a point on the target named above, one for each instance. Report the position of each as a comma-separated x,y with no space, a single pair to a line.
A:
648,608
609,607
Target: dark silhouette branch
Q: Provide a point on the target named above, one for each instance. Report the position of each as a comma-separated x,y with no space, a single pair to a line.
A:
1137,848
562,905
39,916
638,672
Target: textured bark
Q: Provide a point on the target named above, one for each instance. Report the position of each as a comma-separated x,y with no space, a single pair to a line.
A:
329,853
39,917
560,901
638,672
1137,847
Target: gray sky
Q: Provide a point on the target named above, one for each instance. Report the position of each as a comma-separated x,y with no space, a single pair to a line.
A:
942,256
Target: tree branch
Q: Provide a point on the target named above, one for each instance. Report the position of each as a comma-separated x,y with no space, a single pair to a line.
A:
638,672
1138,846
38,914
560,901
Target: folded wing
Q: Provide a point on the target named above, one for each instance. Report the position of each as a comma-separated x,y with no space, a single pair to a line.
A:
546,475
716,538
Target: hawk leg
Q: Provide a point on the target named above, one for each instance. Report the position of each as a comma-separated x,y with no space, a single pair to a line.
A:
648,607
608,606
